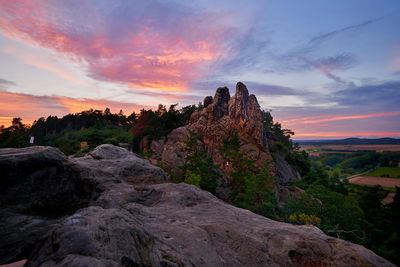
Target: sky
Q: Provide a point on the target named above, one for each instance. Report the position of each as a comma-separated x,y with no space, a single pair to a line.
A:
325,69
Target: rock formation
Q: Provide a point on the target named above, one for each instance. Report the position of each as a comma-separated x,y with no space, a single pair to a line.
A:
219,118
122,213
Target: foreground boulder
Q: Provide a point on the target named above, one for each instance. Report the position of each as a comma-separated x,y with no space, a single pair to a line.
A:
39,186
133,218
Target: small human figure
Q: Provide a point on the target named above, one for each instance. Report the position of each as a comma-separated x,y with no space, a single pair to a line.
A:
31,140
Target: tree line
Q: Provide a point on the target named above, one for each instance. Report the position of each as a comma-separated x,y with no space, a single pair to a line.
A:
78,133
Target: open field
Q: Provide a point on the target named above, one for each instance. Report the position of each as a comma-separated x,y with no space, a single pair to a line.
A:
370,180
316,150
388,172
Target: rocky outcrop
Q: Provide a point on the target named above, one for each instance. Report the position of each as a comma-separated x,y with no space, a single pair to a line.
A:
220,117
126,223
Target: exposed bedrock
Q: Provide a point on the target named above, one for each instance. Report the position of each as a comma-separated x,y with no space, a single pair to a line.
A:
127,215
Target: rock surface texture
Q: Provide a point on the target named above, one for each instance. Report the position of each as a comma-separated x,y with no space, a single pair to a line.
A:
131,217
40,185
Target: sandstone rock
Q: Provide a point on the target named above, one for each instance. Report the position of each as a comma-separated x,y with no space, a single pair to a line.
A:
100,167
207,101
108,151
157,146
220,117
181,225
37,187
38,180
171,153
156,225
285,171
220,102
20,263
144,144
245,113
287,192
40,185
226,114
20,233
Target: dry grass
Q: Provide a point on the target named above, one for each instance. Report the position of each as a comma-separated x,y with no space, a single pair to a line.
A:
370,180
316,150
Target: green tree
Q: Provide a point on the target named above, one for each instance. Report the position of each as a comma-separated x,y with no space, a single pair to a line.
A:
299,159
16,135
201,164
258,194
242,168
94,138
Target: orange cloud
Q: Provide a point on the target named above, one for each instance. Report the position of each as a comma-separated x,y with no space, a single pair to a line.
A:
140,53
5,120
77,105
30,107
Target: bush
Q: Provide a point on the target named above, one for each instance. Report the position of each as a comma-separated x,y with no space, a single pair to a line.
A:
69,147
192,178
303,218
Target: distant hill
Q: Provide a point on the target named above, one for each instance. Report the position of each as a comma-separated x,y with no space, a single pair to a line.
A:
352,141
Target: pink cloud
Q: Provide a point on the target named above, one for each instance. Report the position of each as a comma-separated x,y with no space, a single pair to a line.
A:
312,120
151,49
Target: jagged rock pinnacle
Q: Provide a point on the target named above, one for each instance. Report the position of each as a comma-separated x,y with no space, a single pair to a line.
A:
207,101
222,96
241,91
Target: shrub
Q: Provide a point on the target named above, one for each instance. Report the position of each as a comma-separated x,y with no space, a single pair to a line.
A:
303,218
192,178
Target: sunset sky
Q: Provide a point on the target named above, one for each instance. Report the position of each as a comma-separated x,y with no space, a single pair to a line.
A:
326,69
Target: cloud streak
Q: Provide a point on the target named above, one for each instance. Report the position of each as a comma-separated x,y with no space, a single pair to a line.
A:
328,65
300,59
339,118
325,36
5,84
